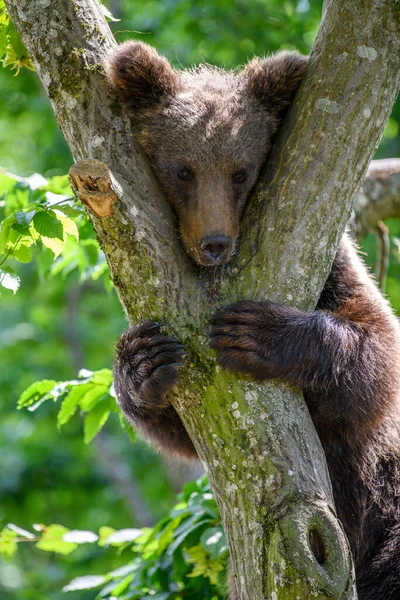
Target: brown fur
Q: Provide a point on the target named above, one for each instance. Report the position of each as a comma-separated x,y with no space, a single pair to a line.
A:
193,120
200,129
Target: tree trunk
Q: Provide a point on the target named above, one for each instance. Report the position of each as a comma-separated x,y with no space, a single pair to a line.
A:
256,442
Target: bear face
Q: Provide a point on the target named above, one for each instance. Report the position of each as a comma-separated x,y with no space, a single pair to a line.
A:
207,133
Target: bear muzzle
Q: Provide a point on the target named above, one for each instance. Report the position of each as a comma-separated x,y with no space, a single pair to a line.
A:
214,249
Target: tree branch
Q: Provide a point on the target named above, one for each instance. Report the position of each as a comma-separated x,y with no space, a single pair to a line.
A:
379,198
257,442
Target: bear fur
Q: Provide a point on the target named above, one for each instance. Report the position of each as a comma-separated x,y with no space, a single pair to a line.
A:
207,133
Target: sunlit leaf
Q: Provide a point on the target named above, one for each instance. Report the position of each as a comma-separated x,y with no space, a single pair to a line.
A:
214,542
103,377
69,226
47,224
71,403
36,392
54,244
8,544
95,420
87,582
52,540
104,534
122,536
9,280
78,536
23,254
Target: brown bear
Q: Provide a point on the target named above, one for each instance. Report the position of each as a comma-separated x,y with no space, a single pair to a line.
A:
207,133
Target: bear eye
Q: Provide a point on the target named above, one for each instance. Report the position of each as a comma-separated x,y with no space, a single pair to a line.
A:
185,174
239,176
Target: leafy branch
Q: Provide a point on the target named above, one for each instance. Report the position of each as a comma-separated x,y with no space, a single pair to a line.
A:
36,212
183,556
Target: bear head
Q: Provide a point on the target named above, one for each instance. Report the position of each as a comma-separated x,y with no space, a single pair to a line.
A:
207,133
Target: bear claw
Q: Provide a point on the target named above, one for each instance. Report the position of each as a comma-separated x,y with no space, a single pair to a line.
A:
147,364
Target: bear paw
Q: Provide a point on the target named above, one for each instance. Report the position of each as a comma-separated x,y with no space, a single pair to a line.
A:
146,366
239,333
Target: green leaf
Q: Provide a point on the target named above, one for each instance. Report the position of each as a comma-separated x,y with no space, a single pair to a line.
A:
69,226
214,542
5,232
69,209
59,184
122,586
54,244
178,541
22,253
21,229
203,565
47,224
36,391
159,596
104,534
92,396
209,506
7,182
103,377
24,218
52,540
87,582
95,420
71,403
8,545
122,537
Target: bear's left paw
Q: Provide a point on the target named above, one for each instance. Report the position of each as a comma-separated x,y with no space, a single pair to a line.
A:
240,334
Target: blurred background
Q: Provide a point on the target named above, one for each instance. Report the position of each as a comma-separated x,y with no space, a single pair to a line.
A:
50,329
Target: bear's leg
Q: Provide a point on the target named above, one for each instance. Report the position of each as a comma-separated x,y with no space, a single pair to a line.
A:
145,369
345,361
380,580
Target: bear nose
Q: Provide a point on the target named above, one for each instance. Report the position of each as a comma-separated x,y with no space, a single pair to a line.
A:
214,248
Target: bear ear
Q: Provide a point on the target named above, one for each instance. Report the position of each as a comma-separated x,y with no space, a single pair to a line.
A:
275,80
140,76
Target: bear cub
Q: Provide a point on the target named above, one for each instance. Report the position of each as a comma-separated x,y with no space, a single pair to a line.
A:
207,133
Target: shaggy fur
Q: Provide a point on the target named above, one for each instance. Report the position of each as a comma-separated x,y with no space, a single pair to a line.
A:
207,133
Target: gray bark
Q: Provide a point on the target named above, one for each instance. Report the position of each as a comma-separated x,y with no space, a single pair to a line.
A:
379,197
257,442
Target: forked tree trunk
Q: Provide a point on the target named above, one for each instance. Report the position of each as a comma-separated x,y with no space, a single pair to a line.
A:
256,442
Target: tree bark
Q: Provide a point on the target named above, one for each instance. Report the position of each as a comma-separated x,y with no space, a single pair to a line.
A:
379,197
256,442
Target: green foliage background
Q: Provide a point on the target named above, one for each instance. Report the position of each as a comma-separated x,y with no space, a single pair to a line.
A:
62,320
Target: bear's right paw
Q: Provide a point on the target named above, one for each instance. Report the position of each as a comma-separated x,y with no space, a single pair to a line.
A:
146,366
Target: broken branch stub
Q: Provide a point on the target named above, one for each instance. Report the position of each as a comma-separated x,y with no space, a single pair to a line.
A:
93,183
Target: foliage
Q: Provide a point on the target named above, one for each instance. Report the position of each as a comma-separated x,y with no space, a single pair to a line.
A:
91,393
44,331
39,212
12,51
225,33
184,555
